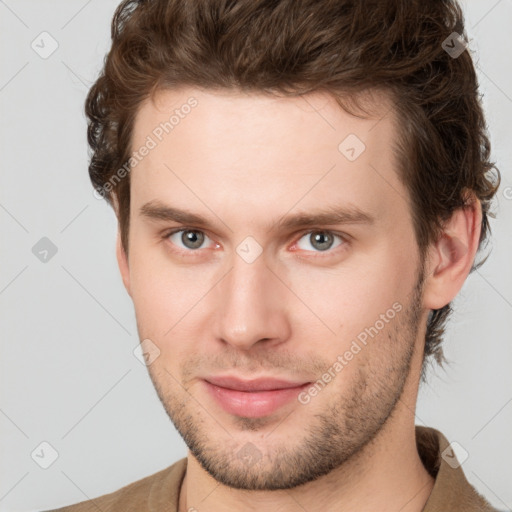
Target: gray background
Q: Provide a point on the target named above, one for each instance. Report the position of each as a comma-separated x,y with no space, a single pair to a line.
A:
68,373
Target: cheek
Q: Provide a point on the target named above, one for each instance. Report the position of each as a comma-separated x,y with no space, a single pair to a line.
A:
352,297
166,311
162,293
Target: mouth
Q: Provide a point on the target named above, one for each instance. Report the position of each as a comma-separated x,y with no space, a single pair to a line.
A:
254,398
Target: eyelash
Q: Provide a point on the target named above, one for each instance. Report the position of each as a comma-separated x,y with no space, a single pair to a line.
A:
190,252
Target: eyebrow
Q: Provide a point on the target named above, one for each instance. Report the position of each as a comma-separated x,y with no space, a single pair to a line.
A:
155,210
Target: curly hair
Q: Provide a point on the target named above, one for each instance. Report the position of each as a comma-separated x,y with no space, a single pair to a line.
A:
293,47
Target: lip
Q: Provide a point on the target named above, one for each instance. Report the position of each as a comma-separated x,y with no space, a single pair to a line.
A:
252,398
261,384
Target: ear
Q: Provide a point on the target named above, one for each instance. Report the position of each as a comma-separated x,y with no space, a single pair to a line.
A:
122,261
450,259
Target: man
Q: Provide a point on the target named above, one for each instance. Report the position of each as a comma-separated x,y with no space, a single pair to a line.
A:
301,187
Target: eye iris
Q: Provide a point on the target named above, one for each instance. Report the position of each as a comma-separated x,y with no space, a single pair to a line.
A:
192,239
318,241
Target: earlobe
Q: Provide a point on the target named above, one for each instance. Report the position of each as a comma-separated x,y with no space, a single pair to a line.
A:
122,261
451,257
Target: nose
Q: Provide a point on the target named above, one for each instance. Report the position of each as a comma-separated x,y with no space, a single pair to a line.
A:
252,306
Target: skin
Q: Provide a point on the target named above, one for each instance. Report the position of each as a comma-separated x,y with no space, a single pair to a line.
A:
244,162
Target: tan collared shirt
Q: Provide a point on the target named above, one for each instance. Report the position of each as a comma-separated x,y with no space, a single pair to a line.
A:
160,492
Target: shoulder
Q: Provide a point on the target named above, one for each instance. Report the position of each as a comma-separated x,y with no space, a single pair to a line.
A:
141,496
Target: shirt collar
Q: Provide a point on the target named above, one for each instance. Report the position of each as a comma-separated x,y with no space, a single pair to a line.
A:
451,490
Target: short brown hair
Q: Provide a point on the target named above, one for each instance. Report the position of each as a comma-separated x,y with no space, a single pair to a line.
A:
294,47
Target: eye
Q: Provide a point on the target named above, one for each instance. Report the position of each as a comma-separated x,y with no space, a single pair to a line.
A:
188,238
321,241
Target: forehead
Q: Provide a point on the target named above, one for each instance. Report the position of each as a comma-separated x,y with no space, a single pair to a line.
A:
223,112
247,150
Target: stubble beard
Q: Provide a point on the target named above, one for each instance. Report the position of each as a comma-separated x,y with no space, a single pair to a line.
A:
329,439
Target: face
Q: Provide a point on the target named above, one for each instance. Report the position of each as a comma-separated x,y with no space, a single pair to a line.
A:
270,238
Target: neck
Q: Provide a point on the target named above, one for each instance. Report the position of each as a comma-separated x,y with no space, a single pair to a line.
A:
386,475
